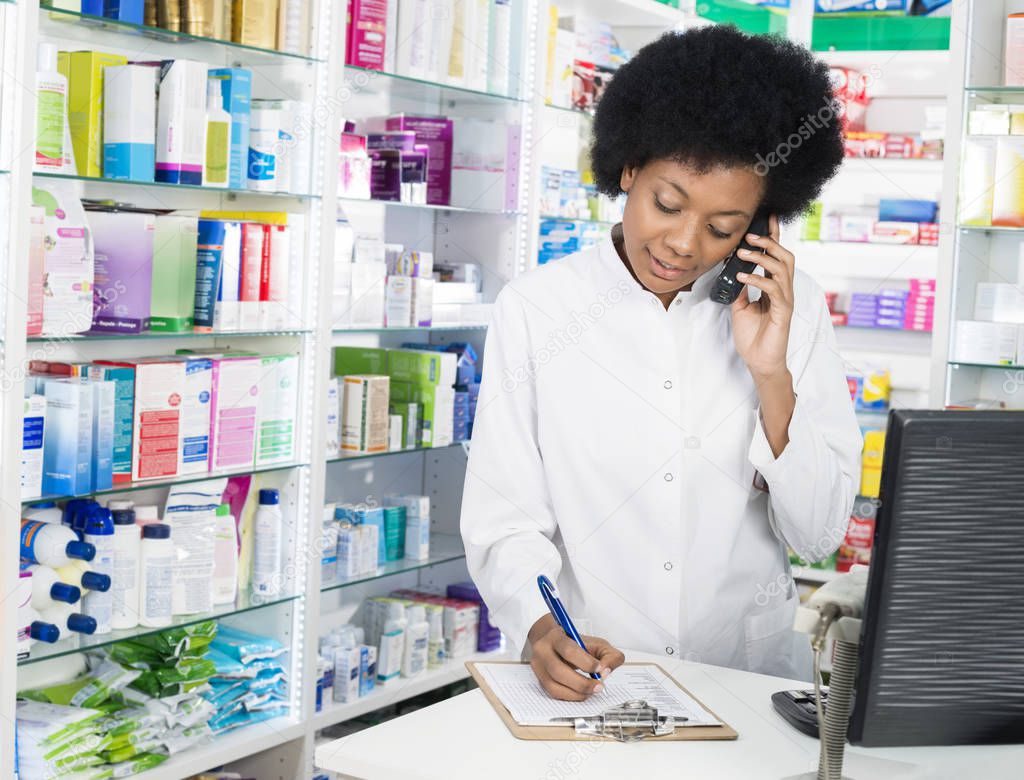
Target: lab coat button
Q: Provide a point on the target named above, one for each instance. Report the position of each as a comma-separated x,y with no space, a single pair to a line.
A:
668,477
668,384
668,565
670,650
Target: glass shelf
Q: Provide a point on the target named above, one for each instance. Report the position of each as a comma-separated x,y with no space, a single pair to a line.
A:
428,206
990,229
586,220
365,455
165,185
156,335
996,90
443,548
881,330
411,329
398,85
570,110
246,602
63,16
964,364
84,338
146,484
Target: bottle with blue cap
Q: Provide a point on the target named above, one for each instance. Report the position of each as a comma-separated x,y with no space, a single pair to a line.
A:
44,511
47,588
79,574
42,631
98,530
269,528
67,620
51,544
156,575
124,578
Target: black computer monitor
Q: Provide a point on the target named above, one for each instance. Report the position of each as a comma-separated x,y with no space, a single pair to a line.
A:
942,638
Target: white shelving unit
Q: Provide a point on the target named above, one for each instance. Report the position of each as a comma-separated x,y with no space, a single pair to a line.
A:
504,243
974,254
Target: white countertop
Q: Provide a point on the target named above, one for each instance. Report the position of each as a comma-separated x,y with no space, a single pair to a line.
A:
463,737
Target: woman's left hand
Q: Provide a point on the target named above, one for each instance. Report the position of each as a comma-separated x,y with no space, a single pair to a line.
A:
760,329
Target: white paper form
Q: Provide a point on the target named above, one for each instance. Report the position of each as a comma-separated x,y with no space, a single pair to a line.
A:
517,688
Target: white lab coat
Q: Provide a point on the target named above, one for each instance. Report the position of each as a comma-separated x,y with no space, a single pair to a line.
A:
615,448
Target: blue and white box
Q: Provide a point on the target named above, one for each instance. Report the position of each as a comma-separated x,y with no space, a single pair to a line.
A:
67,438
104,398
129,122
236,89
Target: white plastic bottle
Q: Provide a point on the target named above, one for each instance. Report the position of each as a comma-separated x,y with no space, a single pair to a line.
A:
392,644
435,642
51,544
146,514
124,578
51,110
216,162
44,511
225,557
48,589
156,575
269,527
414,658
68,621
99,531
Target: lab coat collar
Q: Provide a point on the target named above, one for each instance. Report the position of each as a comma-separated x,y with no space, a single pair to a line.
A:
617,271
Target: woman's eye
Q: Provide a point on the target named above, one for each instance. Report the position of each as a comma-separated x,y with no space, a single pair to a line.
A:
716,232
662,207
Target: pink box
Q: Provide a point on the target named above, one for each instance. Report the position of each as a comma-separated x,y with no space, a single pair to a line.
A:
367,33
233,411
435,132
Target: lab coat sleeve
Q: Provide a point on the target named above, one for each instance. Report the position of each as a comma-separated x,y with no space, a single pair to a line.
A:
814,481
507,518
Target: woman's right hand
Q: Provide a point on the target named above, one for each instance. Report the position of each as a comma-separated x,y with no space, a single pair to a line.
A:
556,658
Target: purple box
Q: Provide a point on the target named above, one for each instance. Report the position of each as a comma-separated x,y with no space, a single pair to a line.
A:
435,132
123,271
386,174
404,140
488,636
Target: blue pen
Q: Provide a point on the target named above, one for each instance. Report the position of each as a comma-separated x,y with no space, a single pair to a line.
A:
550,594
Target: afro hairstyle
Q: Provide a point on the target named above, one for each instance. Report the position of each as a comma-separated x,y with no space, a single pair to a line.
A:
714,96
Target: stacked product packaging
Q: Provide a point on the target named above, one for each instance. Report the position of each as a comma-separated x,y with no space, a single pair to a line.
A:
91,426
465,45
581,58
571,210
141,701
892,221
129,271
174,122
357,539
92,569
268,24
403,635
995,336
437,160
379,284
892,308
423,395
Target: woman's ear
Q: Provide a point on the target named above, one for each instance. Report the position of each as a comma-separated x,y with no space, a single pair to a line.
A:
627,178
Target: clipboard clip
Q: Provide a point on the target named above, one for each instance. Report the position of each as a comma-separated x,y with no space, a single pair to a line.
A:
631,721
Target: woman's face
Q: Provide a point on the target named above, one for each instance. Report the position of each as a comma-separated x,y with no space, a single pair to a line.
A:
678,223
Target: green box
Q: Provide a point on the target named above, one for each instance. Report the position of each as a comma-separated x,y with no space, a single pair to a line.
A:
360,360
84,72
172,304
869,32
437,409
423,367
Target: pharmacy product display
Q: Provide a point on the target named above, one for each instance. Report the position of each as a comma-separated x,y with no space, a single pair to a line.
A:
205,127
143,701
145,271
427,392
466,46
116,421
88,568
894,308
401,636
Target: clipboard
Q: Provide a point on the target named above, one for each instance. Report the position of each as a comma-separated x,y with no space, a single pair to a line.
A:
568,733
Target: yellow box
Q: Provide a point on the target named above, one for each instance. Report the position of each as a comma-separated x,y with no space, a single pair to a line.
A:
874,447
870,482
254,22
84,72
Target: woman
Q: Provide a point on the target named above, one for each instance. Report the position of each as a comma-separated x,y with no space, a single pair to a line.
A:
654,452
